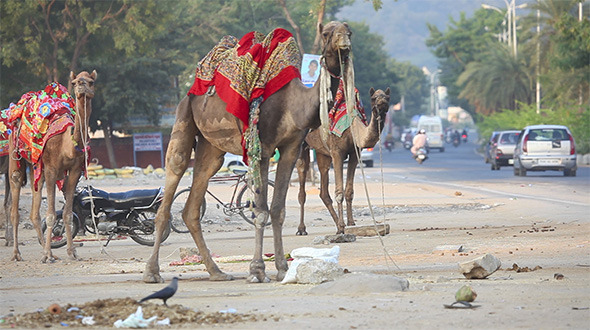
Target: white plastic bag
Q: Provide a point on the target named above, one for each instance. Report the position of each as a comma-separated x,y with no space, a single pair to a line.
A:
305,254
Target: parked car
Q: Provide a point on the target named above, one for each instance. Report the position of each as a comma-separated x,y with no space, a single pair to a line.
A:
545,148
232,160
488,147
367,157
502,152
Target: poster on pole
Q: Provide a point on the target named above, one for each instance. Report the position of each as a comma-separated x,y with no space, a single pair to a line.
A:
310,69
147,142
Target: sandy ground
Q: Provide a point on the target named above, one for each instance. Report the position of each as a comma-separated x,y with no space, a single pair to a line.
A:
528,232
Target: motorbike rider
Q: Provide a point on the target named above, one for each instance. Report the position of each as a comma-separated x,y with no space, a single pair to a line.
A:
418,142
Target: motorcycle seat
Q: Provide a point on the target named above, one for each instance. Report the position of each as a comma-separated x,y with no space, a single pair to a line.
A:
141,197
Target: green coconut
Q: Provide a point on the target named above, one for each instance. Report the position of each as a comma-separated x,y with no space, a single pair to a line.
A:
466,293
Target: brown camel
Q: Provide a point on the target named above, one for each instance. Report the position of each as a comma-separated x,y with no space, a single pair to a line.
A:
63,157
285,118
7,225
336,150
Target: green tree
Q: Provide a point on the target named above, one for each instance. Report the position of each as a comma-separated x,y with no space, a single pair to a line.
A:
414,87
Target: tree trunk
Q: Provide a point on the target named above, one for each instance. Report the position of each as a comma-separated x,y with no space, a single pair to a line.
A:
109,145
316,43
293,24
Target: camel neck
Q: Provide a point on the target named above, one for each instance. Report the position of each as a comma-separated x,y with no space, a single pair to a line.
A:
81,120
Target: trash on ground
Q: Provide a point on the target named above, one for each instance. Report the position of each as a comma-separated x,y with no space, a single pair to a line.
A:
519,269
461,305
306,254
135,320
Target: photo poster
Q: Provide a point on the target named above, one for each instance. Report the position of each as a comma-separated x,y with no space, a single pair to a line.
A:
310,69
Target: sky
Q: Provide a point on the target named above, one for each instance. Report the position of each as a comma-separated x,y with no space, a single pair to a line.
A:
402,23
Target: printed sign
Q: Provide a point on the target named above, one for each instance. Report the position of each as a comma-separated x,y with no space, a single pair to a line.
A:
310,69
147,142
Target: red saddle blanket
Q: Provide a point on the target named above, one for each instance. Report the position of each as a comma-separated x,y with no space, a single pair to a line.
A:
256,66
42,115
339,121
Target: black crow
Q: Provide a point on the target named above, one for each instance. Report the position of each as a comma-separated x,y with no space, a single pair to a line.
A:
165,293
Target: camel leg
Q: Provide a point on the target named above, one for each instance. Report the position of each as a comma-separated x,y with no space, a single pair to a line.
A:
339,190
302,165
7,200
50,215
209,161
70,184
17,177
349,191
277,210
324,163
36,206
257,267
178,157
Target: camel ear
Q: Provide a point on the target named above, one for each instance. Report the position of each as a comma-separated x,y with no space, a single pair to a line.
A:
347,27
72,75
387,91
93,74
320,28
372,91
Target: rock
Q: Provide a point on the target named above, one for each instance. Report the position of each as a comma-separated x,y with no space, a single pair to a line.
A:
318,271
481,267
339,238
448,248
363,283
367,231
188,252
466,293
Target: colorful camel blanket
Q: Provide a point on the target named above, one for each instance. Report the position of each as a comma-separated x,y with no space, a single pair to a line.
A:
256,66
42,115
339,121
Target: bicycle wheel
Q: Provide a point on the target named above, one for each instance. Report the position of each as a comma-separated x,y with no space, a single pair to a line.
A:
144,228
245,199
58,232
176,221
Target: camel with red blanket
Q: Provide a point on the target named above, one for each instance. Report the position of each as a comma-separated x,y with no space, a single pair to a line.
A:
51,134
279,111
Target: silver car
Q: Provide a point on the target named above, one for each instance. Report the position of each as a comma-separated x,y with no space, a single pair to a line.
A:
545,148
502,151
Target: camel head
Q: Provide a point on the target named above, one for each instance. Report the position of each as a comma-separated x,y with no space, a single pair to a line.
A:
379,102
336,40
83,84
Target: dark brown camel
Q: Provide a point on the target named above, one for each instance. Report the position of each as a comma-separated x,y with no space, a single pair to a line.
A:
7,225
63,158
338,148
285,119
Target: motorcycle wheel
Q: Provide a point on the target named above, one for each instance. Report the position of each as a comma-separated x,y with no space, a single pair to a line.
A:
176,221
58,238
144,228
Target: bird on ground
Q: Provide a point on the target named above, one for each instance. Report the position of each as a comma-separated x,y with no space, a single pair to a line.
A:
165,293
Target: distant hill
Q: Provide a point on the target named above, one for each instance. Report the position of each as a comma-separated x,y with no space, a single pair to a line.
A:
402,23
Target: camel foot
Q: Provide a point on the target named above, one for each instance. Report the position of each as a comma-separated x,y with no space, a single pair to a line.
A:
51,259
152,278
350,223
73,255
253,279
281,275
301,232
221,277
16,257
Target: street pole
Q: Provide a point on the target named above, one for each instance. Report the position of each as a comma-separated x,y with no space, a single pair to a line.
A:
538,87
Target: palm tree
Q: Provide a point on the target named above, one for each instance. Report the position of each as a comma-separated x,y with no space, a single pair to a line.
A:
498,81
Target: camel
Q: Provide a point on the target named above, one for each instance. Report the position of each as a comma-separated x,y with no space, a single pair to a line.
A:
285,118
7,225
63,157
336,150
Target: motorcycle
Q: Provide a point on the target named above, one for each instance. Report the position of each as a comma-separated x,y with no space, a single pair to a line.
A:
456,141
389,145
421,155
464,137
130,213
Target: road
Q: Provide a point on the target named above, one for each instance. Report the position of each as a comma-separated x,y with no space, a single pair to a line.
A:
452,199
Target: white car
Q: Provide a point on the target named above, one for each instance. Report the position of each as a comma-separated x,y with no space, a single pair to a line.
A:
545,148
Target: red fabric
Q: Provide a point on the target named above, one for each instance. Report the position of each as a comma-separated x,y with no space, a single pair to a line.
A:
241,71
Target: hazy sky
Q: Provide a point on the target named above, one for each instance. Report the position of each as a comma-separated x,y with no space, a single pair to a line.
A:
402,23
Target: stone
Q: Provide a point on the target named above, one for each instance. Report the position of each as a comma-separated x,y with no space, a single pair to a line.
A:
339,238
448,248
318,271
481,267
362,283
368,231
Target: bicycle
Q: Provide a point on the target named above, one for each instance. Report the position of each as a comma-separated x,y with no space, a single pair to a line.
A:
240,201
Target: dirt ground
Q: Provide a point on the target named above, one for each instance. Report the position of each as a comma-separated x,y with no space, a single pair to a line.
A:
528,232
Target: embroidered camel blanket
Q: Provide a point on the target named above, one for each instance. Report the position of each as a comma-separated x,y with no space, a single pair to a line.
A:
241,71
339,121
42,115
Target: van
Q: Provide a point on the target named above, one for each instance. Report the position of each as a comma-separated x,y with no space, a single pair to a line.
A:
434,131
